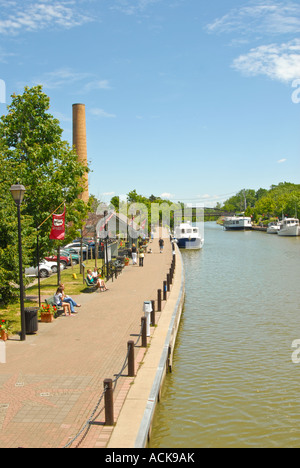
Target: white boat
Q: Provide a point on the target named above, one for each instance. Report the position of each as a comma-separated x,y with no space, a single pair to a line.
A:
273,227
188,237
237,223
289,227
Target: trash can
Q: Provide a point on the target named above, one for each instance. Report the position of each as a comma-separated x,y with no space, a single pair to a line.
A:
31,320
148,310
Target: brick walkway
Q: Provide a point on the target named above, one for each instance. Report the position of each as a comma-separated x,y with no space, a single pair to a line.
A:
52,382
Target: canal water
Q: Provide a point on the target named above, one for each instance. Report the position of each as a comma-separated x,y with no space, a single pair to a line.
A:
234,382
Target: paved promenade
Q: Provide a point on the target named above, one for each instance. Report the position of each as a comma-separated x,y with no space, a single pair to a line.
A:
52,382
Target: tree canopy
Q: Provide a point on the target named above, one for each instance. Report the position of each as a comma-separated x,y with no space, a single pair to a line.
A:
33,153
280,200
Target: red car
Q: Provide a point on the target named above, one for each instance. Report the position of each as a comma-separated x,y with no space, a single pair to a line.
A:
64,260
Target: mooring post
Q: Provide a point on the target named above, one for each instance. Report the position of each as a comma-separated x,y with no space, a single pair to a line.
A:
130,345
168,282
144,332
165,291
153,314
109,402
159,300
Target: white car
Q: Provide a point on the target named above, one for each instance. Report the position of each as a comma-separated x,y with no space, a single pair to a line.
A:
46,269
77,247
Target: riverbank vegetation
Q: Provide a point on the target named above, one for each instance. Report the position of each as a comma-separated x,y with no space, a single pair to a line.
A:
282,200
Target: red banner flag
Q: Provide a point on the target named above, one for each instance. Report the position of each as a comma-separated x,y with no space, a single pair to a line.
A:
58,226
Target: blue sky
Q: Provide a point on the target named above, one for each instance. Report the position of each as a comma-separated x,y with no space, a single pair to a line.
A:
185,99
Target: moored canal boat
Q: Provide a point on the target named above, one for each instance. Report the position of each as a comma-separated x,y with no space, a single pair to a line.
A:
273,227
188,237
237,223
289,227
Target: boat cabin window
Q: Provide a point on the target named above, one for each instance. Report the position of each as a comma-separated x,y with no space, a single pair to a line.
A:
182,231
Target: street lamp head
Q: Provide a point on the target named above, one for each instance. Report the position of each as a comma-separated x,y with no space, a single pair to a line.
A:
17,192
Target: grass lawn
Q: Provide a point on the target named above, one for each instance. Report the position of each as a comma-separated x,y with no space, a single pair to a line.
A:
73,287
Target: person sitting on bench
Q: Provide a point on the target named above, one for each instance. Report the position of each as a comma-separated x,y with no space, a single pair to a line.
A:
69,299
93,279
102,283
58,298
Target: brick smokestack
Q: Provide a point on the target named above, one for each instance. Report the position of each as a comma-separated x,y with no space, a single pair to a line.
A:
79,141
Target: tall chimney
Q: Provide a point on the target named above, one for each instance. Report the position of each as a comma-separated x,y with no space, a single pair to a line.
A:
79,141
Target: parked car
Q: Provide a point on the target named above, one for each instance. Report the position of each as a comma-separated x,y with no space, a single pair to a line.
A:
64,260
46,269
77,247
71,253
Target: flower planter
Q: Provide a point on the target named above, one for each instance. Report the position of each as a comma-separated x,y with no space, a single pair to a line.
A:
3,335
47,312
46,318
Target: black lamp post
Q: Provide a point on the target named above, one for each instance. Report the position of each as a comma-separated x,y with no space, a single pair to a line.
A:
18,192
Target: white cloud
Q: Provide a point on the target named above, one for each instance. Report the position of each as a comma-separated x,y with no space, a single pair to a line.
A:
264,17
97,84
68,76
38,15
167,195
108,194
101,113
277,61
281,161
60,77
132,7
4,55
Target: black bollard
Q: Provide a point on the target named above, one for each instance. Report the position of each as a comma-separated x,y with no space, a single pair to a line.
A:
144,332
130,346
153,314
165,291
159,300
109,402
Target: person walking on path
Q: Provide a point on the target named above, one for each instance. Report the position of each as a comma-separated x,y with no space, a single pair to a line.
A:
141,257
161,245
134,254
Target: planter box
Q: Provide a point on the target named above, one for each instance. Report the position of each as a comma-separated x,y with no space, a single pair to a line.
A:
3,336
47,318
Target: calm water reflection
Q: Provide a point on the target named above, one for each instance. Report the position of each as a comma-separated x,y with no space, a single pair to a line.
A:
234,383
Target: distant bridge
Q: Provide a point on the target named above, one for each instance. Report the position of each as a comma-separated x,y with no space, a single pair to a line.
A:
197,211
212,212
217,213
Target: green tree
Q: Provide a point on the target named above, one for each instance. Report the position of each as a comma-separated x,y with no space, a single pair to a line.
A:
33,153
281,200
